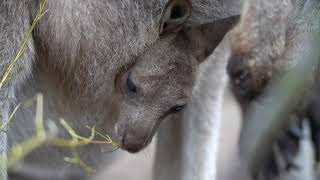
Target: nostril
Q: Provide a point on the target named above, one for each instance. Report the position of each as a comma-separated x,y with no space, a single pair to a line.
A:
133,143
123,140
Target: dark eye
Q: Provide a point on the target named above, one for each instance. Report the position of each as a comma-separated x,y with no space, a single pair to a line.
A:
176,109
173,110
130,86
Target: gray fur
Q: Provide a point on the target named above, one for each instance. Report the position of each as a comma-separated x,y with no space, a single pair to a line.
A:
79,56
200,149
13,30
206,11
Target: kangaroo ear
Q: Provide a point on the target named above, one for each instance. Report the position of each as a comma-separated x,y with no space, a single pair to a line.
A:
175,14
203,39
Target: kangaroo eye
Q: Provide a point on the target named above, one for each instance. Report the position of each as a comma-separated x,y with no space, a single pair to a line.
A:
176,109
130,86
173,110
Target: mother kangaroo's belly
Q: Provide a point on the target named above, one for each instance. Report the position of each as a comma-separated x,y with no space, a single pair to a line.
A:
51,158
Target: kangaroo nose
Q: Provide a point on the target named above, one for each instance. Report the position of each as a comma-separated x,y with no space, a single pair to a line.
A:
133,143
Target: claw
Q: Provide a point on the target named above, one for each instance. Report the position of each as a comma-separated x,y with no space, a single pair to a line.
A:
295,131
291,166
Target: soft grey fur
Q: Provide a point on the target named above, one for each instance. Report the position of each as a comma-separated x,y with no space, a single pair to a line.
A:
77,55
205,11
14,23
